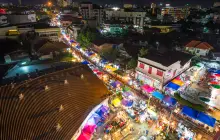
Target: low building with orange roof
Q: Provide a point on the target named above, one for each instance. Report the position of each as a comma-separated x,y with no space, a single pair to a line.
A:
198,48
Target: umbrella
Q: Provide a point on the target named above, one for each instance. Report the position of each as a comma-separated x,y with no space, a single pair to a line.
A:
84,136
127,103
216,86
89,129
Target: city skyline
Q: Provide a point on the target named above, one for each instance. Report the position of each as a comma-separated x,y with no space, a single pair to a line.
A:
204,3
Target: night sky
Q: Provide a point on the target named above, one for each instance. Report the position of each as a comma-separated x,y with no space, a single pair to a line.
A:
204,3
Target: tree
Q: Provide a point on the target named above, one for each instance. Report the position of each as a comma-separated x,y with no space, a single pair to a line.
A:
85,38
143,51
132,63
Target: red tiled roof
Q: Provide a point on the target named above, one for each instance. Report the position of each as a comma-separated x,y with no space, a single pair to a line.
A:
193,43
204,45
199,44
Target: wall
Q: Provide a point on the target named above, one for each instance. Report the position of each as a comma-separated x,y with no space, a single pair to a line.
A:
197,51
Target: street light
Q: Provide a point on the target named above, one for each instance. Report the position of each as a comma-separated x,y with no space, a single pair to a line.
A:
49,3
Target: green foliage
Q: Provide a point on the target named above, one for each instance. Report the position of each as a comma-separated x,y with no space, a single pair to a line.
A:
132,63
85,38
189,104
111,55
143,51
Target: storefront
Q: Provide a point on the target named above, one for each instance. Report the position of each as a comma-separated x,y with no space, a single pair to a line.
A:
144,79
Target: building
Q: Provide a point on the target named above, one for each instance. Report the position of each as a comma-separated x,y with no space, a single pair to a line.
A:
92,11
3,20
47,32
74,29
54,109
65,20
157,68
198,48
216,4
21,18
176,12
134,16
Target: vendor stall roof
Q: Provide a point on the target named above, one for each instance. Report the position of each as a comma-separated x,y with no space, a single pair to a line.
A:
158,95
169,100
115,84
148,88
173,86
206,119
84,136
116,102
127,103
190,112
178,82
85,62
89,129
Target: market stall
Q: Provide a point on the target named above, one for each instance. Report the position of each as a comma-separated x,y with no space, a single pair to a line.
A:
158,95
169,101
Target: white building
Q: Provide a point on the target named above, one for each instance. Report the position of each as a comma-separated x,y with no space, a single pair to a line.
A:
137,17
198,48
158,68
91,11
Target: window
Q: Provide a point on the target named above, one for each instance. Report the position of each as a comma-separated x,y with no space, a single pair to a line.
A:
150,70
141,65
197,51
159,73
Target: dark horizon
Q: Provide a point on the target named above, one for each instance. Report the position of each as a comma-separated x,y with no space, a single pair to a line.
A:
203,3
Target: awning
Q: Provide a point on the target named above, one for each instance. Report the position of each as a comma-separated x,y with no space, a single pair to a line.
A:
169,100
178,82
158,95
206,119
173,86
148,88
190,112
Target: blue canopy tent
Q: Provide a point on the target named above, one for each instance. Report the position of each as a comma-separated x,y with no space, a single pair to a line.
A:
190,112
169,100
158,95
173,86
78,47
85,62
202,117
